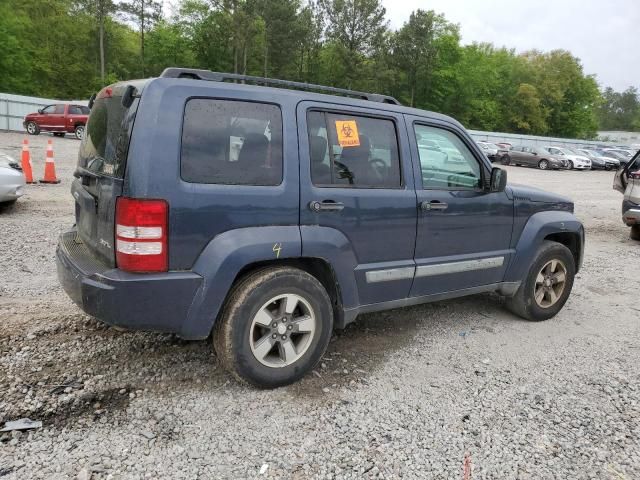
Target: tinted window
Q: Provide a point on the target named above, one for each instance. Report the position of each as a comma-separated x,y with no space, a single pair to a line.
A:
74,110
353,151
49,109
451,166
231,142
59,109
85,110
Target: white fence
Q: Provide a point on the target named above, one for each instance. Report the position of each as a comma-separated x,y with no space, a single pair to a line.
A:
532,140
13,108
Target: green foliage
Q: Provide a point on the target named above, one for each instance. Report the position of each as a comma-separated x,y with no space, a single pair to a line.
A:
71,48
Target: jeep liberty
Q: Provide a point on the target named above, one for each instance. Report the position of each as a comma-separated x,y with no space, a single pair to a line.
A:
266,213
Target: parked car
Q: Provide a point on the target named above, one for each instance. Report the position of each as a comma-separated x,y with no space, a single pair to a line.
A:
59,119
536,157
12,182
627,182
494,152
598,162
622,155
504,145
310,222
577,162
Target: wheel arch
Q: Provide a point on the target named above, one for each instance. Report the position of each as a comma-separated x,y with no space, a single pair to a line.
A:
559,226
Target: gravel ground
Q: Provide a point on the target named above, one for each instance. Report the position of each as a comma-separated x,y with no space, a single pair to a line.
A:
407,393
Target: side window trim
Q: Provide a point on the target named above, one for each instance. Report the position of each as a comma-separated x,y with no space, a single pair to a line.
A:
345,112
426,123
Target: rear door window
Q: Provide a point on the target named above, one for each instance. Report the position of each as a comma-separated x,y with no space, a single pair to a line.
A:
231,142
353,151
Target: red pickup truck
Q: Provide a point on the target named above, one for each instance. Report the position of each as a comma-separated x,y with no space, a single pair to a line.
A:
59,119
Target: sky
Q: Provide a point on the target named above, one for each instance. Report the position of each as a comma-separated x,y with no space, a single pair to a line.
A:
604,34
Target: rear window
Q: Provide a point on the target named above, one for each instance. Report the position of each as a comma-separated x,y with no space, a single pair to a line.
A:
106,139
231,142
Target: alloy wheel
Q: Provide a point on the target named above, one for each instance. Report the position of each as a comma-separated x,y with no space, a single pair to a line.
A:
282,330
550,283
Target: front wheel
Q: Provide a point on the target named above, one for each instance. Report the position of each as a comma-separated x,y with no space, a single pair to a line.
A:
275,327
506,160
79,132
33,128
548,284
570,167
543,165
635,232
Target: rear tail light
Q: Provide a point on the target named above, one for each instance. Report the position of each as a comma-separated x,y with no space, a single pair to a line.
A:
635,175
141,235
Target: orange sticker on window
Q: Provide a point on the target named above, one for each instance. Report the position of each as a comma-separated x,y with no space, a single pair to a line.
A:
347,133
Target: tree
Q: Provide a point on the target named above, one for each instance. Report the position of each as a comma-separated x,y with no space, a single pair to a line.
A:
357,28
527,114
144,13
415,47
101,10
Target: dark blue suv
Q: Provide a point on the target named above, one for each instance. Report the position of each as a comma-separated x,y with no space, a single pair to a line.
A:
266,217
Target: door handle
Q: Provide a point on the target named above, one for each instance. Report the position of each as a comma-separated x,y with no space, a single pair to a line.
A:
326,206
433,205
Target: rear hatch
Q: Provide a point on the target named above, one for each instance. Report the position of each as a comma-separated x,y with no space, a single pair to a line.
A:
101,166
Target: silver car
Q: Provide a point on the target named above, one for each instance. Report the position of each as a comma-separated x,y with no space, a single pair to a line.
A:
12,183
627,181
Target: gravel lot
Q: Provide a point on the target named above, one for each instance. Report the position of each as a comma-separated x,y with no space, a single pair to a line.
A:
408,393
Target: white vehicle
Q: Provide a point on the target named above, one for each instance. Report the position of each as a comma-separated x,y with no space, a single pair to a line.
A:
577,162
12,181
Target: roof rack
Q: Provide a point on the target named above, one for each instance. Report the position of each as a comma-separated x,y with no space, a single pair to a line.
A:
174,72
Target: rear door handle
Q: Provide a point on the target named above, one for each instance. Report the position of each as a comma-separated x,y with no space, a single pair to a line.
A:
326,206
433,205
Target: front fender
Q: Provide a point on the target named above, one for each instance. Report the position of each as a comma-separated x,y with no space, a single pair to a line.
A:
221,261
539,226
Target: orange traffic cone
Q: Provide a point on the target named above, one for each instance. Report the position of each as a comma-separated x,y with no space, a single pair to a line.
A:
26,162
49,166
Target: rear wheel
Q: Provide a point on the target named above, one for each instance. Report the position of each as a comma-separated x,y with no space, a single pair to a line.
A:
79,132
275,327
33,128
543,165
548,284
635,232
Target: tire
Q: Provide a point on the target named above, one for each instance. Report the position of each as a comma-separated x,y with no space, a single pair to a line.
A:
524,302
242,329
506,160
79,132
635,232
543,165
58,134
570,167
33,128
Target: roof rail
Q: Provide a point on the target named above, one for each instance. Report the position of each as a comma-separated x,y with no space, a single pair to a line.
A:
174,72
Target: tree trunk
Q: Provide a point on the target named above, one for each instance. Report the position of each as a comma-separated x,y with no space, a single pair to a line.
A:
266,55
244,59
102,47
142,35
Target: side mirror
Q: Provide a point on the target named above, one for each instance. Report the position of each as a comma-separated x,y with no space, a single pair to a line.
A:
40,111
498,180
535,153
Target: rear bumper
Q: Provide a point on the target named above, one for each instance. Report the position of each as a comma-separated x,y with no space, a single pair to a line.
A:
157,302
630,213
